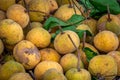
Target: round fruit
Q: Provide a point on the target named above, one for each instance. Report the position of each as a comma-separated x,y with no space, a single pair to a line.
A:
39,36
27,54
52,5
1,47
69,61
43,66
53,74
74,74
116,56
63,44
20,76
9,68
65,12
49,54
106,41
42,6
103,66
18,13
5,4
35,24
10,32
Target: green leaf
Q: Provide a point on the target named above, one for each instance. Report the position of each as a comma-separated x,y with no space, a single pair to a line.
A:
94,78
52,22
89,53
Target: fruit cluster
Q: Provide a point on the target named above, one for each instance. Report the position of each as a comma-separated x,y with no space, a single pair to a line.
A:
29,52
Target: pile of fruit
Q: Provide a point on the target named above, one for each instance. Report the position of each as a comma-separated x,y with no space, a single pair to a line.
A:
59,40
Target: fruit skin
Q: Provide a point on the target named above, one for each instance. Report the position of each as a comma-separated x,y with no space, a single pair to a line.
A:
49,54
5,4
27,54
2,15
113,25
39,36
43,66
83,55
38,5
9,68
17,13
53,74
104,65
74,74
106,41
52,5
1,47
20,76
35,24
69,61
65,12
10,32
116,56
63,44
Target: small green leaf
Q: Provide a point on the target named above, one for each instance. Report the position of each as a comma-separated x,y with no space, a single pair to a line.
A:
89,53
94,78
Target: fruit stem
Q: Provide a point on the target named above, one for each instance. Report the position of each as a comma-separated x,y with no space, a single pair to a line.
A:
74,7
78,51
70,4
32,75
108,9
60,28
84,39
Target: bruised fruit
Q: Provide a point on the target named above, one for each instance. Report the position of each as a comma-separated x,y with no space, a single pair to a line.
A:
10,32
103,66
53,74
65,12
1,47
18,13
43,66
20,76
112,24
9,68
52,5
39,36
27,54
5,4
69,61
106,41
74,74
2,15
49,54
42,8
116,56
63,44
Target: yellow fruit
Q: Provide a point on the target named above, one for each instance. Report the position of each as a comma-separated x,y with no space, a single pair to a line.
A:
106,41
92,23
103,66
52,5
2,15
17,13
39,5
35,24
22,3
112,25
83,55
10,32
65,12
20,76
53,74
116,56
74,74
49,54
43,66
39,36
5,4
69,61
9,68
1,47
27,54
63,44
